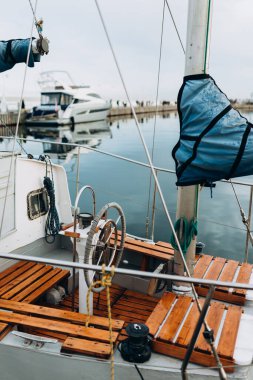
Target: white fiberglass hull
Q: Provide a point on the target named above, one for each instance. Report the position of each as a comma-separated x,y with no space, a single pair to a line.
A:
85,117
22,363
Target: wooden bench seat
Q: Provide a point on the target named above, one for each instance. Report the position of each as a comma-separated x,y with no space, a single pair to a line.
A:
28,281
156,250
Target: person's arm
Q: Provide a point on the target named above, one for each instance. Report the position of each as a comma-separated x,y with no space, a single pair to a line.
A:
15,51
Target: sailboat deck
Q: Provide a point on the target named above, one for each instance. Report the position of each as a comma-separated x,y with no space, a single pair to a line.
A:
171,320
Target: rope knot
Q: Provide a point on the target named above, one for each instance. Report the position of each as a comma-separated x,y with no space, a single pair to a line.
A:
107,277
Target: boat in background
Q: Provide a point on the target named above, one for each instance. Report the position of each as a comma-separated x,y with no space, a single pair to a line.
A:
65,103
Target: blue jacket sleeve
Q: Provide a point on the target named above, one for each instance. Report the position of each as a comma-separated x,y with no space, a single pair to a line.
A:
15,51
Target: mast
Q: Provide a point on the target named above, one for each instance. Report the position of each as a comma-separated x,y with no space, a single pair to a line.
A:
196,62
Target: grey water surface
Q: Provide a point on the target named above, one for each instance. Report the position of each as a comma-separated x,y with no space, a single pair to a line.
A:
219,223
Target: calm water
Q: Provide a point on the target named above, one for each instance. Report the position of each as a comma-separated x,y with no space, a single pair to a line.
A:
220,226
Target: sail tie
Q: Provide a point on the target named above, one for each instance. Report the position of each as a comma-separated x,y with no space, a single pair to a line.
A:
186,231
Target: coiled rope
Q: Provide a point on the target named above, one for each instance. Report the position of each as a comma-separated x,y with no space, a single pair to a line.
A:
106,281
186,231
52,226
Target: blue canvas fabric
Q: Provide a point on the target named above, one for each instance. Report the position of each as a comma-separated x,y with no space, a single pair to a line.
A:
15,51
216,141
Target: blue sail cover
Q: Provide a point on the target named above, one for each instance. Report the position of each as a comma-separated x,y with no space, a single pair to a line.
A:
216,141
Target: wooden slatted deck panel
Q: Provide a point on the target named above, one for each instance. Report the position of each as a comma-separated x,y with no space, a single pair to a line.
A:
67,327
127,305
27,281
217,268
173,321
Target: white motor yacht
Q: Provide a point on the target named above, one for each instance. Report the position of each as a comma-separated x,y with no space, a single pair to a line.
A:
63,102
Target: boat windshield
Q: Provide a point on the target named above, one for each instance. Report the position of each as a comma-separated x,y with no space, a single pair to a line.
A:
56,98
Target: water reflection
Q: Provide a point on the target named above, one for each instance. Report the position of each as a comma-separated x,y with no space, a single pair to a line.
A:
85,134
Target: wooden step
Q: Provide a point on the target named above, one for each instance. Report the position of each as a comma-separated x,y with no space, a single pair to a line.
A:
87,347
172,333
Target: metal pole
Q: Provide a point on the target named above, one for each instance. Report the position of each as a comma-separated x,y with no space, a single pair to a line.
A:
248,229
153,212
196,332
196,62
129,272
74,241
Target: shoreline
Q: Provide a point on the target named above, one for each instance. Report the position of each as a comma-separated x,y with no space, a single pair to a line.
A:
10,119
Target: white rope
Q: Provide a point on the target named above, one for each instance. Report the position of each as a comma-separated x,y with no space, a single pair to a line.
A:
18,120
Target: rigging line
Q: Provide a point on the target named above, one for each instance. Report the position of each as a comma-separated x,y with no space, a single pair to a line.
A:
18,120
207,34
173,20
154,128
150,161
194,292
11,133
244,219
34,15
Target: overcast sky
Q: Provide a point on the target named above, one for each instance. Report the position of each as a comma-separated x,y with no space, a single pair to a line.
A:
78,45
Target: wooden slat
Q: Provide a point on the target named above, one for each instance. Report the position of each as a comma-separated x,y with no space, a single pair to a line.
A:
215,269
196,356
175,318
226,345
87,347
20,283
160,312
222,296
243,277
140,296
49,284
165,244
213,319
202,265
228,273
16,273
3,327
149,252
122,302
136,244
189,325
49,312
12,269
57,326
131,309
139,301
41,332
35,285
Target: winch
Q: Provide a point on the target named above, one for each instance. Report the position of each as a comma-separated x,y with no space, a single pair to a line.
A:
136,348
